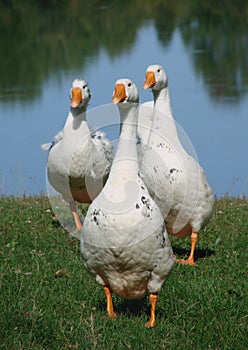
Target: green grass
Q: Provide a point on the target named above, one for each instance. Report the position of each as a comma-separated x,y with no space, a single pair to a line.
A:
203,307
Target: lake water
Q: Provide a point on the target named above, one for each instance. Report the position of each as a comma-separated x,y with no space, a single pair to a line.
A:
204,52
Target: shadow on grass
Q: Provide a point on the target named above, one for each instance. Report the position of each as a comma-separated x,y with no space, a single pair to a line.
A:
199,253
135,307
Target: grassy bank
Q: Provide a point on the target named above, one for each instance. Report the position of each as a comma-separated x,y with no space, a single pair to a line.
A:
203,307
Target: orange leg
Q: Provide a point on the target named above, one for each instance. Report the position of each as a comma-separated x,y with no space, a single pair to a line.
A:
153,301
193,238
190,260
75,216
110,307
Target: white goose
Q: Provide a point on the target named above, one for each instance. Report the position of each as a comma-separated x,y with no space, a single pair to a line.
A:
79,160
175,180
124,243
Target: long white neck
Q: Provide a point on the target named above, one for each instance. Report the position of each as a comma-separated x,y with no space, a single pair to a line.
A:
76,118
126,158
74,113
121,190
162,101
163,120
76,124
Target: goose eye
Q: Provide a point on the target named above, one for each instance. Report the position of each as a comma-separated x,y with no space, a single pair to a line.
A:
84,86
158,70
129,84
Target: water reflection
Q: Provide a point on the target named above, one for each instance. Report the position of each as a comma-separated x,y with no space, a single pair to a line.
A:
217,38
46,44
40,38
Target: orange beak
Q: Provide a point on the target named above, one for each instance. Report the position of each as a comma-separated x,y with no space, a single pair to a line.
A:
119,93
76,97
150,80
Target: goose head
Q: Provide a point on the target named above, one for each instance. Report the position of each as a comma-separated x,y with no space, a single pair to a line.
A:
125,92
156,78
79,94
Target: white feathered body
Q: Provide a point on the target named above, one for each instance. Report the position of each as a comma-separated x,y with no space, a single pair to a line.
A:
178,185
124,243
80,161
126,246
175,179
